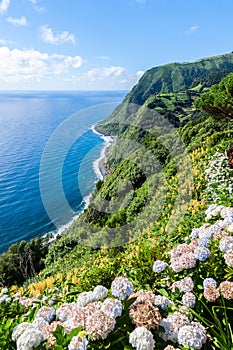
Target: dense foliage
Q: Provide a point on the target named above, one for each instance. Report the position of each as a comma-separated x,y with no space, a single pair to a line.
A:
22,261
151,221
218,102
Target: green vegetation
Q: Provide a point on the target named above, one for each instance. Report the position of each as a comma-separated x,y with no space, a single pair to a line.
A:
218,102
157,192
22,261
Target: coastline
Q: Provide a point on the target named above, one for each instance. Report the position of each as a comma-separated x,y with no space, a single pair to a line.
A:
101,173
99,163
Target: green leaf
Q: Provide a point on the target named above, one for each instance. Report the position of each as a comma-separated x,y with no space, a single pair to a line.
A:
163,292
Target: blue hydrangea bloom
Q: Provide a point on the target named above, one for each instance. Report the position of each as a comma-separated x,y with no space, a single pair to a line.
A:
194,233
204,242
209,280
201,253
121,287
159,266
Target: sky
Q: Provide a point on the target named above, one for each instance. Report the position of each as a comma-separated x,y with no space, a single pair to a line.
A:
105,44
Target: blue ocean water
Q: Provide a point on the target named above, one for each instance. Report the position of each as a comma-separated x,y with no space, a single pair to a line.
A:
27,121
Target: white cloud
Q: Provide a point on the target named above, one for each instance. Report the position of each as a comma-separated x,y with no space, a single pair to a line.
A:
141,1
4,4
6,42
105,72
37,8
32,65
17,21
191,29
140,73
104,58
59,38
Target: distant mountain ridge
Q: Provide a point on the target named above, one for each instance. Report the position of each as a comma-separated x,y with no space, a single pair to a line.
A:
170,90
174,77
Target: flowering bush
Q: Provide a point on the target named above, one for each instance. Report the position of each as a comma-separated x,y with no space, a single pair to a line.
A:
186,304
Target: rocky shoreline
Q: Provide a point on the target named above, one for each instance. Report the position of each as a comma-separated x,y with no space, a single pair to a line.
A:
99,164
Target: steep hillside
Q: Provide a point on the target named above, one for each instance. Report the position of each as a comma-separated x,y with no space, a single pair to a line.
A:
170,89
160,224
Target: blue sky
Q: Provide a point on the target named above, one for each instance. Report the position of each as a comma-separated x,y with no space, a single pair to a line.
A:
105,44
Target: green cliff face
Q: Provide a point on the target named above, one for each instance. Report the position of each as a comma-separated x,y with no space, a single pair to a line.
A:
170,90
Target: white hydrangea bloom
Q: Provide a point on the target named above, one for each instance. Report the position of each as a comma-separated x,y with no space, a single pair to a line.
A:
193,335
29,339
99,292
85,298
112,307
20,329
78,343
47,313
142,339
189,299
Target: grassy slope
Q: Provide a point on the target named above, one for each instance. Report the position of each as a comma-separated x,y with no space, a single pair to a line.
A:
168,85
79,267
92,227
139,209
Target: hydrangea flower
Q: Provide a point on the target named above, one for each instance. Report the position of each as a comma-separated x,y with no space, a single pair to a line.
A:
228,256
172,324
226,243
78,342
65,311
112,307
46,312
201,253
193,335
20,329
99,325
145,314
212,210
207,232
91,308
144,295
76,320
99,292
185,310
159,266
209,280
142,339
170,347
211,293
226,289
189,299
228,221
27,336
184,262
194,233
226,211
162,301
41,324
121,287
179,250
204,242
30,339
184,285
85,298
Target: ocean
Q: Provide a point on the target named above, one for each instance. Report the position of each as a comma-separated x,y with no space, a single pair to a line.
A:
28,123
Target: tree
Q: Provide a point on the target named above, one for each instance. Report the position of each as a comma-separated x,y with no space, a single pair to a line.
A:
218,101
